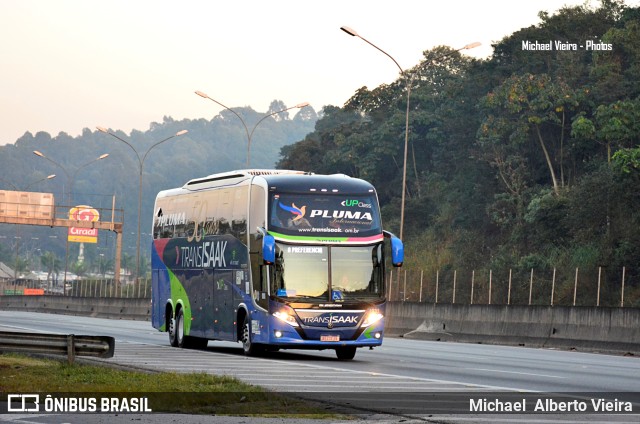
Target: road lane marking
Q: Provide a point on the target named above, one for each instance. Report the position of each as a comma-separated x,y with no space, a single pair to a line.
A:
516,372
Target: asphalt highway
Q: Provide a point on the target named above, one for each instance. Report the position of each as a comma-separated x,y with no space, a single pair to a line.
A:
388,373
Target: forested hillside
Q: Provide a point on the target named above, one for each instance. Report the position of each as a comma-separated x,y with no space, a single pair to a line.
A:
210,146
529,159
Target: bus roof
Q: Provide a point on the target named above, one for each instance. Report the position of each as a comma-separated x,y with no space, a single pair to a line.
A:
286,181
335,183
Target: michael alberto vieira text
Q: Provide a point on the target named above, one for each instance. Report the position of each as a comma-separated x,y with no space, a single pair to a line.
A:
549,405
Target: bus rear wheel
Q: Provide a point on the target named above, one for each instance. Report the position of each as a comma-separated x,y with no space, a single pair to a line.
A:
180,339
173,340
346,353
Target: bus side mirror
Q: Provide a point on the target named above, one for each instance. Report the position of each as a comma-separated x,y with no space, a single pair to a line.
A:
269,249
397,249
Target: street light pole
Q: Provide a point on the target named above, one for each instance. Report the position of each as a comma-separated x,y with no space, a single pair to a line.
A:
68,194
73,177
70,180
48,177
246,129
141,165
353,33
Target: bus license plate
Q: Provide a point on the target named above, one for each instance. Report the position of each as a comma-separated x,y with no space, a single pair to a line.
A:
330,338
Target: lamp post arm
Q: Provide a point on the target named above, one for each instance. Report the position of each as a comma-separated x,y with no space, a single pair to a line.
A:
66,173
250,136
179,133
37,153
353,33
263,118
75,173
11,184
246,129
387,54
301,105
150,148
49,177
104,130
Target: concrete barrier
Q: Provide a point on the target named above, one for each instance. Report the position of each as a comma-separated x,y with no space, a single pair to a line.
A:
100,307
615,330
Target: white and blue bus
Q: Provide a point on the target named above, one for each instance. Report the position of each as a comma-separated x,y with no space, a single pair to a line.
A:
273,259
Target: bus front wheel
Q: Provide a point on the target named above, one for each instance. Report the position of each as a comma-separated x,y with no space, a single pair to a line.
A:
249,348
346,353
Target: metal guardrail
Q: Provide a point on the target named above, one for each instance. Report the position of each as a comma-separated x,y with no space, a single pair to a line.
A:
57,344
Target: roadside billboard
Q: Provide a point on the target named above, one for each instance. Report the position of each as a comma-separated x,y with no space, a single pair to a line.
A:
83,235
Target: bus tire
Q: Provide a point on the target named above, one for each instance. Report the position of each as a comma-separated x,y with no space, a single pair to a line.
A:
179,325
173,340
249,348
346,353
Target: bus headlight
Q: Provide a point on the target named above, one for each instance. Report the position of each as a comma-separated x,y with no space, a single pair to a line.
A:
284,316
372,317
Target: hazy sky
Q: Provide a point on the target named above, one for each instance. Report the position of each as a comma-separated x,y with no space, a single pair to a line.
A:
66,65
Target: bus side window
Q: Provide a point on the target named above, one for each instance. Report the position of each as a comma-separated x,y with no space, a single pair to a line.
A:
239,215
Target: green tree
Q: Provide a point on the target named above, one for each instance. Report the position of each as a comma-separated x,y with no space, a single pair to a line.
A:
277,106
20,265
128,262
524,108
79,268
615,125
102,264
51,263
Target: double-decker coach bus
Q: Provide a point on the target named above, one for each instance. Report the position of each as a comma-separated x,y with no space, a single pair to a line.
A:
273,259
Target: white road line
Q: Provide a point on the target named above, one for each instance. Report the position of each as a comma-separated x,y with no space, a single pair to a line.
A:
516,372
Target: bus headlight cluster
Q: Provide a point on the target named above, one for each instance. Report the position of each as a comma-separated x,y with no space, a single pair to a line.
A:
372,317
284,316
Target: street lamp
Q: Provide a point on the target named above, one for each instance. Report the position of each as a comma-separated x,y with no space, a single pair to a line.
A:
246,129
73,178
353,33
141,165
38,153
70,178
48,177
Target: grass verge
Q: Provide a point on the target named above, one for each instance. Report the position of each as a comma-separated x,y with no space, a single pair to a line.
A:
192,393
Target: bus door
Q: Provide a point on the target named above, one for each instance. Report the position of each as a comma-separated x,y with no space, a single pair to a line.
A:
159,299
223,305
201,303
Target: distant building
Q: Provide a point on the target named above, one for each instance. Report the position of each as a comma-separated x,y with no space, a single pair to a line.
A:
6,273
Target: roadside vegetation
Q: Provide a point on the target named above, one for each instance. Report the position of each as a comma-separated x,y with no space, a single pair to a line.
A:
192,393
529,159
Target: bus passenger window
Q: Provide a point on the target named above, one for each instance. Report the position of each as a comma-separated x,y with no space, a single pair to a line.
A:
167,231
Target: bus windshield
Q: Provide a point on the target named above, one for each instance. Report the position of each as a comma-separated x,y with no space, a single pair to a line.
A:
324,215
323,273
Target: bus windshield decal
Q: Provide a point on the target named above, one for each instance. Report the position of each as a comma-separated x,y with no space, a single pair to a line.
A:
313,239
324,216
